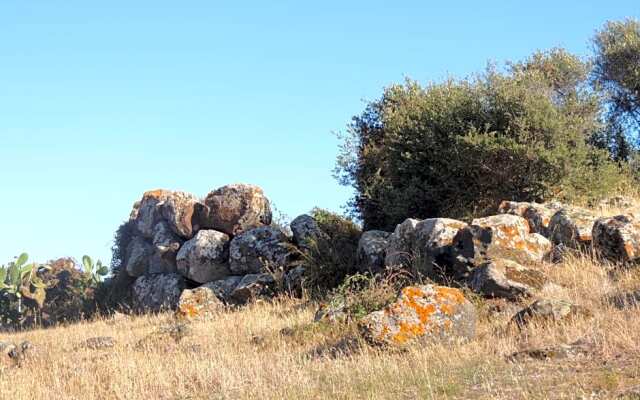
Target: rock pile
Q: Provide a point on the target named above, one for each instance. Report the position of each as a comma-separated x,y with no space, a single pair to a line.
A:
224,242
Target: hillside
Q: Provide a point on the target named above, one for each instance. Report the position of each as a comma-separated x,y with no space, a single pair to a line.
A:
274,350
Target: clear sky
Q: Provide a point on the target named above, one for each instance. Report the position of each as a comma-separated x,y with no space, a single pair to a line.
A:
100,101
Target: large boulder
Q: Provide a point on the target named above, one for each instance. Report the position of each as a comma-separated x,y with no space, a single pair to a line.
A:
204,258
157,292
198,303
433,241
371,252
537,215
233,209
505,279
502,236
147,213
617,238
572,227
179,209
424,313
423,243
138,255
400,243
260,249
306,231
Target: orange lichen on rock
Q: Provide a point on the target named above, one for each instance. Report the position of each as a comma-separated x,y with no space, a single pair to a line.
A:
156,194
421,311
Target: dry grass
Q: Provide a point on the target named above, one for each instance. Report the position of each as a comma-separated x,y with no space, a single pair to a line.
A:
273,351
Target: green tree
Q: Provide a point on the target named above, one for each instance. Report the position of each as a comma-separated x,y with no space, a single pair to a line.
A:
616,69
458,147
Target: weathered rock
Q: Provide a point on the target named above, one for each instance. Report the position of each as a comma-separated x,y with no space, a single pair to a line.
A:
537,215
433,241
506,279
548,310
572,227
252,286
179,209
204,258
254,250
371,251
617,238
198,303
233,209
500,236
98,343
306,231
157,292
223,288
147,213
401,243
139,253
12,355
421,313
294,280
166,242
562,351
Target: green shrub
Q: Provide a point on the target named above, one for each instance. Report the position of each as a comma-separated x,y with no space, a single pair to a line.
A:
459,147
333,257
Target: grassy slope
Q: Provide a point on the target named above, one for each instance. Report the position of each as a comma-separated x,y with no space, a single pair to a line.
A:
273,351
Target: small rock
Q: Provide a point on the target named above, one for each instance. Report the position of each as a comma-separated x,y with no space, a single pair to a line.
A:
98,343
198,303
204,258
562,351
425,312
617,238
506,279
371,251
252,286
233,209
549,310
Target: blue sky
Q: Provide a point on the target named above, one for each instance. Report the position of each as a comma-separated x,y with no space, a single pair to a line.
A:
100,101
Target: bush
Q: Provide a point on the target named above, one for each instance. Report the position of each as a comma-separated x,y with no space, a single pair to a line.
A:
332,258
457,148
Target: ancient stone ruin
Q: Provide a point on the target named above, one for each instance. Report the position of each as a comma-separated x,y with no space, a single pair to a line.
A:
224,243
199,255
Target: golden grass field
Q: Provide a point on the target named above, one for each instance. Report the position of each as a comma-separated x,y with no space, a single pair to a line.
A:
275,351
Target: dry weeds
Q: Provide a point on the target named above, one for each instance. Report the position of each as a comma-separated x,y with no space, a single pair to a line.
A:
274,351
